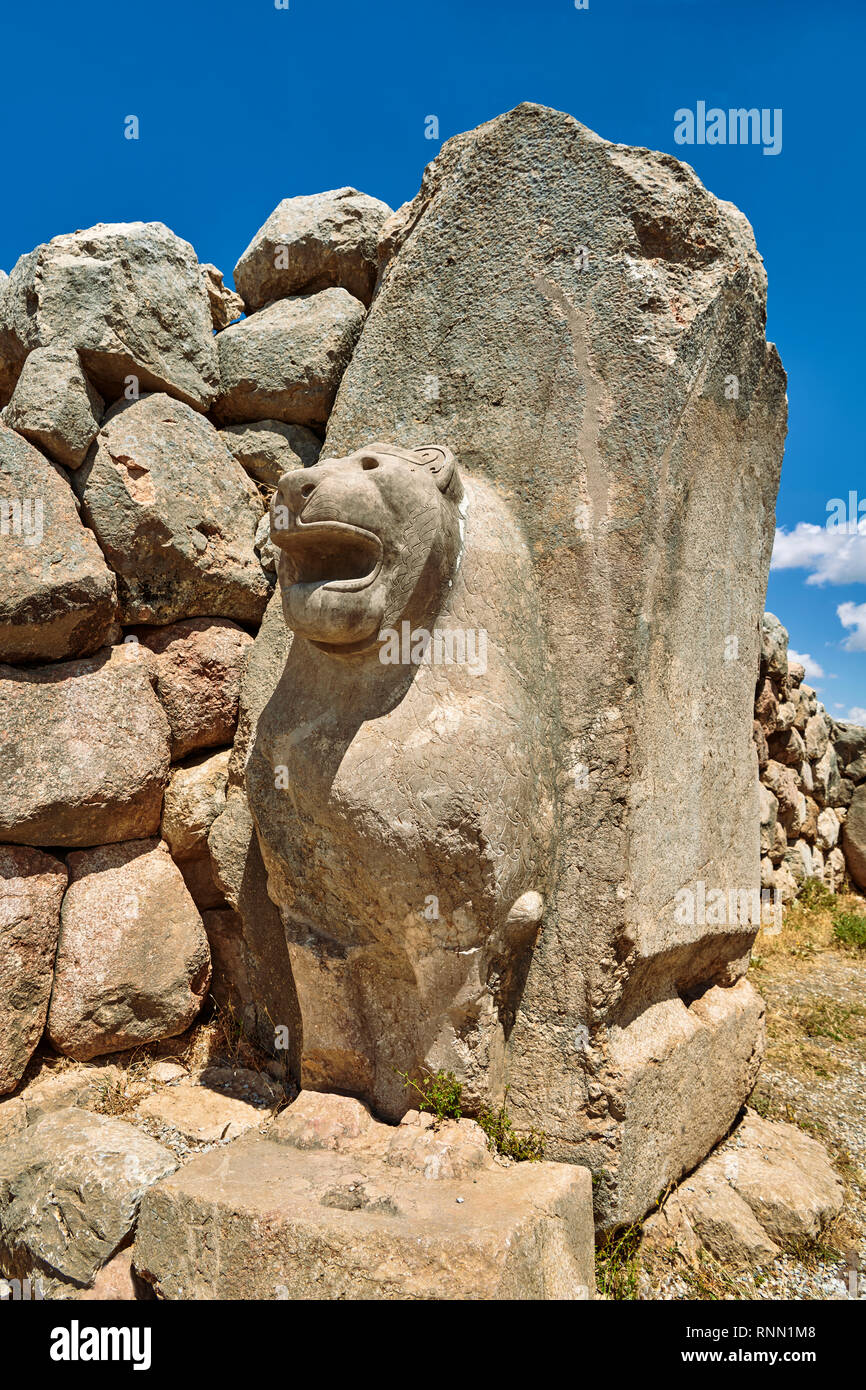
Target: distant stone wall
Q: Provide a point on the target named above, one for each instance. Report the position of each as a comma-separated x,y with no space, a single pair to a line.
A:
811,767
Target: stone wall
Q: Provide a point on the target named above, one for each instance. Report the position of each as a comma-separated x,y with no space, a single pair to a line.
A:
811,767
618,514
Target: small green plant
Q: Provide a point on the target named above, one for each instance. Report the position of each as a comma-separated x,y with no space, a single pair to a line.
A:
815,893
849,929
618,1266
439,1092
526,1147
823,1017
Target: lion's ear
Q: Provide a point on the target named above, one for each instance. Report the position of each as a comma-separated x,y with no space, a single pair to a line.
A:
438,461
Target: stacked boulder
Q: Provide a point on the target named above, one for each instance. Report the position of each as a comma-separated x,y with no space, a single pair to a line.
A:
811,767
144,425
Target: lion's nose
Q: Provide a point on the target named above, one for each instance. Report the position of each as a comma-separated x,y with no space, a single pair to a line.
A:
296,488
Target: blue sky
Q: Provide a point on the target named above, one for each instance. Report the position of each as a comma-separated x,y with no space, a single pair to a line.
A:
241,104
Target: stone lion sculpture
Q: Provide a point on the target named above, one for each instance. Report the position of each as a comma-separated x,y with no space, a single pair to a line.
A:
400,777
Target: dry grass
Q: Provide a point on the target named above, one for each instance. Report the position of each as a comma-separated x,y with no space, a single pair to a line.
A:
807,925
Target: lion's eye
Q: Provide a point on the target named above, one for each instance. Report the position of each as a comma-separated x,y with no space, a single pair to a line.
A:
369,462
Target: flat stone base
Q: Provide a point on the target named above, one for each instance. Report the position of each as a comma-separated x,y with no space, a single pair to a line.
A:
329,1204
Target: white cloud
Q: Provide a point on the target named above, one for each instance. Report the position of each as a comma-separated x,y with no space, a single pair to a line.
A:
856,716
833,556
853,615
813,670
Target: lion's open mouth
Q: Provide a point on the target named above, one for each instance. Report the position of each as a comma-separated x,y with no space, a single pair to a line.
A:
330,555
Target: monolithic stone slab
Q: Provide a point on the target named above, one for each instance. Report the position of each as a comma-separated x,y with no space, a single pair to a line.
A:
582,324
344,1216
286,361
175,515
130,297
31,889
267,448
70,1189
405,812
199,665
133,964
57,595
310,243
854,837
55,406
84,756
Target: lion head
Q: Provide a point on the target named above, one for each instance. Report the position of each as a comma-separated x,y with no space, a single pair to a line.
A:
365,541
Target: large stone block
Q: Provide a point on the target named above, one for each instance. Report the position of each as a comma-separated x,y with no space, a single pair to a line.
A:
57,595
84,752
31,890
130,296
582,325
175,515
331,1205
70,1189
311,243
55,406
133,964
286,361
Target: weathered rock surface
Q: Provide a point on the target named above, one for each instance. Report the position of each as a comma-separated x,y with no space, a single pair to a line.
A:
57,596
13,1118
237,861
774,646
31,889
201,883
705,1212
194,797
130,297
55,406
334,1218
199,665
593,395
84,756
767,1185
175,515
10,353
225,305
285,362
200,1114
70,1190
311,243
697,1059
854,838
357,766
133,964
784,1176
116,1282
268,448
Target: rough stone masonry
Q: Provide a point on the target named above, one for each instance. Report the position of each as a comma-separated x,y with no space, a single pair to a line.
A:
533,415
